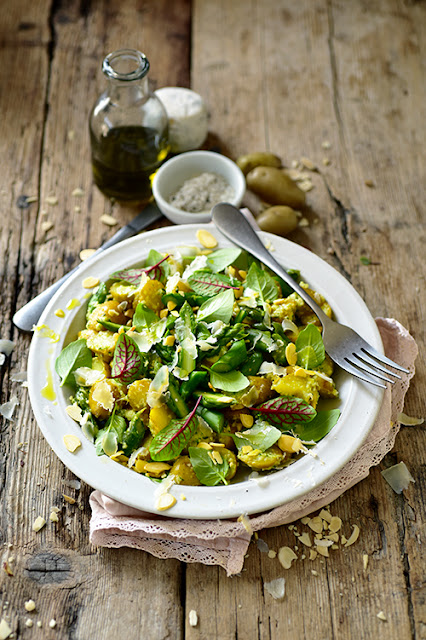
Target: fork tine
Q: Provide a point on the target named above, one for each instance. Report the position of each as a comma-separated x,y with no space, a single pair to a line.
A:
376,364
381,358
377,371
347,366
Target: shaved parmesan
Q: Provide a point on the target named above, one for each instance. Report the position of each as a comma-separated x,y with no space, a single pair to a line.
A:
103,395
6,348
158,387
86,377
262,546
288,325
8,408
200,262
271,367
398,477
276,588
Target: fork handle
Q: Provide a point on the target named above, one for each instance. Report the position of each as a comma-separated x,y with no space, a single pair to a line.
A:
231,222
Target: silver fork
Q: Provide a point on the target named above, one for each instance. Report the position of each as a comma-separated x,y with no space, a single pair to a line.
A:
344,346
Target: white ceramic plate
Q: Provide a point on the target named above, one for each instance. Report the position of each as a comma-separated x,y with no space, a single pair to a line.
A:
359,402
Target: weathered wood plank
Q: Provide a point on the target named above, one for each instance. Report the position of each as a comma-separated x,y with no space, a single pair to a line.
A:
294,71
54,77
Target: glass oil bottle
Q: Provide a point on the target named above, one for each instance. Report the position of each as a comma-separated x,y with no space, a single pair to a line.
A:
128,129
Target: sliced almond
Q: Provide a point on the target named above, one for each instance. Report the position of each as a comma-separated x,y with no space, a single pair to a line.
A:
353,537
74,412
90,282
206,239
286,556
72,443
38,523
86,253
110,221
335,524
316,524
165,501
290,353
246,420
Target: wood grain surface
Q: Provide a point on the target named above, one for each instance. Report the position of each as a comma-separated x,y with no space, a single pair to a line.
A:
276,75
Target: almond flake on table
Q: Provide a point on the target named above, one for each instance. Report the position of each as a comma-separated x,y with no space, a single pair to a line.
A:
29,605
78,192
408,421
52,200
46,226
353,537
38,524
286,557
86,253
382,616
110,221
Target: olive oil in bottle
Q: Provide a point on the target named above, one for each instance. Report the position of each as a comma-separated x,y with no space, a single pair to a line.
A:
128,129
125,159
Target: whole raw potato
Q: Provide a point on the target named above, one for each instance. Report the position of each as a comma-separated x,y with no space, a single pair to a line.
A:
275,186
280,220
252,160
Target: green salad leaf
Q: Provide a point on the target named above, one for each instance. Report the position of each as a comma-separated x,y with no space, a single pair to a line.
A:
144,317
261,436
75,355
222,258
219,307
310,347
318,427
231,381
260,281
208,472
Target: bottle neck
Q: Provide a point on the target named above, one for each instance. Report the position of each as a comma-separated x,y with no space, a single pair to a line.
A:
128,93
126,71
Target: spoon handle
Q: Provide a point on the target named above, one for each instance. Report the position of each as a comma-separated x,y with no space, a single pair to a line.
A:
231,222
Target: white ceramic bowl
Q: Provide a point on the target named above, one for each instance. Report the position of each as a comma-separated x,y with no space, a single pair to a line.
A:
173,173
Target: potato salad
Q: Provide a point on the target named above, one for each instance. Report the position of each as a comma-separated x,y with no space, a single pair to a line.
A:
201,366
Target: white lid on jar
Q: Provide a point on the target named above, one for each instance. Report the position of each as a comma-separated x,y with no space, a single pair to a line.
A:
187,115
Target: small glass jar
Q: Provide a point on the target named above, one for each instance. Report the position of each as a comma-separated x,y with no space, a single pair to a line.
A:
128,129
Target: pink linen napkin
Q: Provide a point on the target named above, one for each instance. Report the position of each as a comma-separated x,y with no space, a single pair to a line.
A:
225,542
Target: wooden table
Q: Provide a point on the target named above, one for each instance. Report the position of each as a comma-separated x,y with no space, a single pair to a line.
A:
277,75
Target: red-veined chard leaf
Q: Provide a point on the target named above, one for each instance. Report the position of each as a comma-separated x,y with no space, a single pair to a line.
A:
205,283
133,276
170,441
285,411
127,362
318,427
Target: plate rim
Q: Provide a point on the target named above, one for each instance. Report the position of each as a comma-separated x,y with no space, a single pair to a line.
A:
225,502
